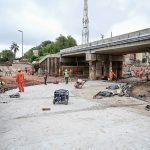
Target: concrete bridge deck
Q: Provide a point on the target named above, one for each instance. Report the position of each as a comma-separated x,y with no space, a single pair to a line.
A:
133,42
96,59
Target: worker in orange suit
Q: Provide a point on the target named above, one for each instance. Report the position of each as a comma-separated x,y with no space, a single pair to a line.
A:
136,72
147,73
112,75
20,80
141,72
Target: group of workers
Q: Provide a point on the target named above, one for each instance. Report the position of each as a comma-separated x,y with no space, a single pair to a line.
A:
112,76
142,72
134,72
20,78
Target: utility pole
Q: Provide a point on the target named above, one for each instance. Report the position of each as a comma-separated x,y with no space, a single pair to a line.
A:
85,30
102,36
22,41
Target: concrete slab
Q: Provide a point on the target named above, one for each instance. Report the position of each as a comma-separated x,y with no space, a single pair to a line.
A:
81,125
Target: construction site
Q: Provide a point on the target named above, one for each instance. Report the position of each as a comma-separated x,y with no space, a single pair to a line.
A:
100,110
91,96
33,121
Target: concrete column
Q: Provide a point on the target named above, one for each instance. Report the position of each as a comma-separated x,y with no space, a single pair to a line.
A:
91,58
110,62
45,65
56,65
98,70
147,58
92,70
52,64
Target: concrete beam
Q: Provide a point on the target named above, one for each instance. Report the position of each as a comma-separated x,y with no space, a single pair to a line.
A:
90,57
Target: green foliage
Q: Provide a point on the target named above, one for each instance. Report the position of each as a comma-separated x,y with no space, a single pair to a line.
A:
71,41
14,47
6,55
33,58
45,43
28,54
49,47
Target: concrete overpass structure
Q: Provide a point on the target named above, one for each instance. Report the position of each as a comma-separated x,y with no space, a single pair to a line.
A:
96,59
134,42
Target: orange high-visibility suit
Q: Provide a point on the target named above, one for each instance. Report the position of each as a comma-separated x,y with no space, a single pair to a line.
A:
20,81
141,73
111,75
136,72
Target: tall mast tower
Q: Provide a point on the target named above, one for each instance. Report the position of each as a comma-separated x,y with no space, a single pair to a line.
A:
85,30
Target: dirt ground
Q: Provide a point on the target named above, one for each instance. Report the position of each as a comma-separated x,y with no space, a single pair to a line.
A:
29,80
83,124
140,89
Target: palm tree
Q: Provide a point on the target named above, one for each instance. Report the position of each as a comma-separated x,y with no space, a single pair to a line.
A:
14,47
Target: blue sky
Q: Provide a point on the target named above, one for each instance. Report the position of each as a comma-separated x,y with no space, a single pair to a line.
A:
47,19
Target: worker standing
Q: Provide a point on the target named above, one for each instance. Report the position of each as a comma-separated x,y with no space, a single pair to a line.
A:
66,76
112,75
130,70
20,80
141,72
45,77
136,72
147,73
71,73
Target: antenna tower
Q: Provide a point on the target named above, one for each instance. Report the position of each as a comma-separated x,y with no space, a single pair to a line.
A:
85,31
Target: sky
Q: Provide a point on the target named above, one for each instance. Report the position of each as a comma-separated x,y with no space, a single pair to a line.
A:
42,20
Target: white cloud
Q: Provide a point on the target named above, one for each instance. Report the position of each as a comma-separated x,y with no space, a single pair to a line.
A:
47,19
130,25
19,53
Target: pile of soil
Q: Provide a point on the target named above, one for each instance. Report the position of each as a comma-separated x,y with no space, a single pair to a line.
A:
141,90
10,81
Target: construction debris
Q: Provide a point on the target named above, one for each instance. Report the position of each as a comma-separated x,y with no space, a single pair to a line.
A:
16,95
79,83
3,87
103,93
114,89
147,107
46,109
55,82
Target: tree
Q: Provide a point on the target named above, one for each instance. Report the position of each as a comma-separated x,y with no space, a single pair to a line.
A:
14,47
6,55
61,42
33,58
71,41
28,54
49,47
45,43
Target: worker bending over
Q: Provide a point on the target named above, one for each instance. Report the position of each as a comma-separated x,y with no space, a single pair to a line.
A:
141,72
112,75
